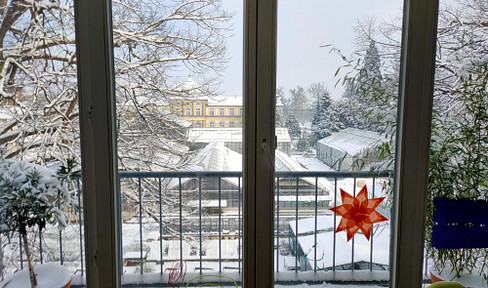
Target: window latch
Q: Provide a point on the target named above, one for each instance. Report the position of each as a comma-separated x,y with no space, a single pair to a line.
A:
267,152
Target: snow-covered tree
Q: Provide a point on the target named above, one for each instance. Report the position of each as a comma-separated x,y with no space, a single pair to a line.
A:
369,77
342,114
293,126
152,42
29,197
323,102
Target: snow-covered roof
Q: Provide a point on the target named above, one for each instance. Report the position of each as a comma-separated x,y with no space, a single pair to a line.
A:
225,101
352,140
283,162
213,157
207,135
325,242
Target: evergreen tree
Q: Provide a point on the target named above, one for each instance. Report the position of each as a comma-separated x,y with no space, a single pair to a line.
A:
293,126
323,103
369,78
350,91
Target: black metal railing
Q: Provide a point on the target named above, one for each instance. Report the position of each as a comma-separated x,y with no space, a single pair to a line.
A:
193,209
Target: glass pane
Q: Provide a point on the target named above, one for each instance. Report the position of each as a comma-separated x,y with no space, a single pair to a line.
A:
178,68
39,133
456,246
337,82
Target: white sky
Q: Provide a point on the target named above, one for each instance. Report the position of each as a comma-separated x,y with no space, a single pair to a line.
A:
304,26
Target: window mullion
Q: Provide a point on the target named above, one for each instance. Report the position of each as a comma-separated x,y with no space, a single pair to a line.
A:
96,102
413,141
259,91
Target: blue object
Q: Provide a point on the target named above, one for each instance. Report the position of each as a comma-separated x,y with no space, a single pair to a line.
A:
460,223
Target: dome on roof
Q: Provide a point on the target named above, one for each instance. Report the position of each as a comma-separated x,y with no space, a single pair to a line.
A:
190,87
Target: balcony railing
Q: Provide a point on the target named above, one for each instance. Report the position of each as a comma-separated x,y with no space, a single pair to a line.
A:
196,218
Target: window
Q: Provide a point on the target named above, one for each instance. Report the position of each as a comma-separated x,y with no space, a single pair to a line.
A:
414,90
212,124
212,112
231,111
198,124
222,124
231,124
178,111
187,112
221,113
240,123
240,112
197,111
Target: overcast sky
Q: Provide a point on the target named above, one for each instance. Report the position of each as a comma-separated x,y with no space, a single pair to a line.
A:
304,26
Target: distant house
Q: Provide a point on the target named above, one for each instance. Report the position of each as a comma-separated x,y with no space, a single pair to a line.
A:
349,150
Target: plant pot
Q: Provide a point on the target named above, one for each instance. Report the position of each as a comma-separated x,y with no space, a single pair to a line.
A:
48,276
468,280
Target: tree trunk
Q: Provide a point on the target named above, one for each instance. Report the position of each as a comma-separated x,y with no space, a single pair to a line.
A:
32,275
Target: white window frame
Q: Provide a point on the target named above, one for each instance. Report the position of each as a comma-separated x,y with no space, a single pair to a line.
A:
197,112
98,145
221,111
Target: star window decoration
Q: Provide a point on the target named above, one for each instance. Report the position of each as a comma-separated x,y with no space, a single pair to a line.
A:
358,213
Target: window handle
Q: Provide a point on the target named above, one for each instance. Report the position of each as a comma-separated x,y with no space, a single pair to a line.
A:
267,152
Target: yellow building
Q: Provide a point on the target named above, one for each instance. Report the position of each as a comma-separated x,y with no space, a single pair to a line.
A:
210,112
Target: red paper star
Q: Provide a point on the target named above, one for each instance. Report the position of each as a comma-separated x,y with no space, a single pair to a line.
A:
358,213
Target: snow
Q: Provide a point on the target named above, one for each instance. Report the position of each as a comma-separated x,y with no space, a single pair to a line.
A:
48,276
311,164
325,242
351,140
208,135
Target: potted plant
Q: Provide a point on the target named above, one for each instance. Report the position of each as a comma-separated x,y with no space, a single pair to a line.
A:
459,168
30,195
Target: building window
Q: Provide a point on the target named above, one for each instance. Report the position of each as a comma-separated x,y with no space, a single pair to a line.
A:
187,111
212,124
232,124
231,112
240,123
178,111
197,111
222,124
212,112
221,113
198,124
240,111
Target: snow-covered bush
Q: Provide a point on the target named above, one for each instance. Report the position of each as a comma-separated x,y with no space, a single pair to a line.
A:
30,195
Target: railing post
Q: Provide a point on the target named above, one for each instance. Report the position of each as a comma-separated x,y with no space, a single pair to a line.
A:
278,224
140,224
372,234
335,227
296,227
80,226
315,230
352,240
60,243
40,244
239,243
220,225
200,218
181,222
160,227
